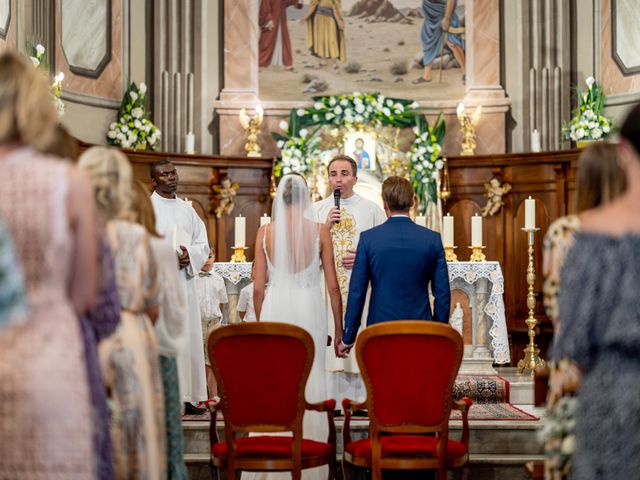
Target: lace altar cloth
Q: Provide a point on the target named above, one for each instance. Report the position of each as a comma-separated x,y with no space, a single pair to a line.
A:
470,273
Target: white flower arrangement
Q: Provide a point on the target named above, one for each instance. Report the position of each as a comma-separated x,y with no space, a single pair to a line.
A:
39,59
298,152
133,129
588,123
425,162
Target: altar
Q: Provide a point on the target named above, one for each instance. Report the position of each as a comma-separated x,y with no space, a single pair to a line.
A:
484,330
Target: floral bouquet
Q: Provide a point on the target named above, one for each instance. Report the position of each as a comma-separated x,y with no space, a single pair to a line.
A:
133,129
425,162
298,150
39,58
588,123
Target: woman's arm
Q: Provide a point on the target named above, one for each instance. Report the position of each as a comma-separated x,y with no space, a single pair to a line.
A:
260,265
331,280
83,283
310,10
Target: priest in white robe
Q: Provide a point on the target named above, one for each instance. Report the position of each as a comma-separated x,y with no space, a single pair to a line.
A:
179,223
355,215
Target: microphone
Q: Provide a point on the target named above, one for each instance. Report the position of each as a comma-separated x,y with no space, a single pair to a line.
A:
336,199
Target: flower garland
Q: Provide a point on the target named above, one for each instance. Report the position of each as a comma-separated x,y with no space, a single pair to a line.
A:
38,57
133,129
300,148
588,123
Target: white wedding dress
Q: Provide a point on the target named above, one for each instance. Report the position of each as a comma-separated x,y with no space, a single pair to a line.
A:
295,296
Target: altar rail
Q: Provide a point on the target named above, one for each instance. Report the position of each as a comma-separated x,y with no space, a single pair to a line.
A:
549,177
198,176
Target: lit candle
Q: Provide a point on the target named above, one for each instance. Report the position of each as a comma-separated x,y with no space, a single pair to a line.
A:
530,213
460,110
447,231
240,231
476,231
535,141
190,143
264,219
188,202
421,220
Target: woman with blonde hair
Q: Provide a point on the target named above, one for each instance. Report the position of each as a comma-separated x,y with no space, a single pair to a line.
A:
170,329
45,422
129,357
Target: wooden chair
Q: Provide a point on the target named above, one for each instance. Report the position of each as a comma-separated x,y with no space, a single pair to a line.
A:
262,370
408,368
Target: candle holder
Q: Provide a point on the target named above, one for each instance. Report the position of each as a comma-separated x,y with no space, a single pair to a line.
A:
238,255
251,127
531,358
476,254
449,254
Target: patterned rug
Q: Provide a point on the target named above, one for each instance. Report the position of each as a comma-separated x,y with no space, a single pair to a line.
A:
482,389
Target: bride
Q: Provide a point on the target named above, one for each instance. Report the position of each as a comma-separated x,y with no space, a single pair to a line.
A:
289,252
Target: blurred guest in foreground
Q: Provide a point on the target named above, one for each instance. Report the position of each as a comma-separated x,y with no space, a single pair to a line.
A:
129,357
600,327
45,410
600,180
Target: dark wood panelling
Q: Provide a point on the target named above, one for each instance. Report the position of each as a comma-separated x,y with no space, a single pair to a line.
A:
549,178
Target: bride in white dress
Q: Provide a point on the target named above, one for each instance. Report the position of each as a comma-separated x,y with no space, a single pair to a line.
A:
289,253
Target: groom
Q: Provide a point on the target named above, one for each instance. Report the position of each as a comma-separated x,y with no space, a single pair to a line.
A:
400,259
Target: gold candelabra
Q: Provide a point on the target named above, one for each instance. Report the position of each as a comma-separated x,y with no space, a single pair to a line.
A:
238,255
531,358
445,190
467,127
476,254
449,254
251,127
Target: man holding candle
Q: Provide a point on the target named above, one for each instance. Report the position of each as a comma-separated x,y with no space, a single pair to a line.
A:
400,259
354,215
174,213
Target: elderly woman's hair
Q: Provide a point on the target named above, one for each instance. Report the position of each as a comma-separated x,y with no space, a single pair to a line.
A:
27,113
600,177
112,179
143,208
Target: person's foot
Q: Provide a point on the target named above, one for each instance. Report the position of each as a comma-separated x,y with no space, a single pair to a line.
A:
191,409
420,80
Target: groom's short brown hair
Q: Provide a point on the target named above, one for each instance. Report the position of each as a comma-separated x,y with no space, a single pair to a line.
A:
397,193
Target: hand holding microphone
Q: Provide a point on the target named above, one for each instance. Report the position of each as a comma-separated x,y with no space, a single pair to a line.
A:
334,214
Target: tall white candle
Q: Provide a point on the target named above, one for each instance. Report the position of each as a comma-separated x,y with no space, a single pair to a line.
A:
530,213
447,231
190,143
421,220
174,237
476,231
264,219
535,141
240,231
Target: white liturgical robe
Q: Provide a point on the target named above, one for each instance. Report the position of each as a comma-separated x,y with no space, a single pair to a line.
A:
177,212
357,214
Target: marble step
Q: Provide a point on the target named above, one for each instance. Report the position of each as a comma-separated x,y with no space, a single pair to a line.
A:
486,437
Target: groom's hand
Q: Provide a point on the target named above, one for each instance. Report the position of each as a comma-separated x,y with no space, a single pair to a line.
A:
349,260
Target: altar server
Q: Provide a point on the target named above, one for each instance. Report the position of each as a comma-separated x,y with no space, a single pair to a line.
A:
179,223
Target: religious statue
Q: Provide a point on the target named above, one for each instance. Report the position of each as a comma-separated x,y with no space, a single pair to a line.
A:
456,318
251,127
495,191
226,192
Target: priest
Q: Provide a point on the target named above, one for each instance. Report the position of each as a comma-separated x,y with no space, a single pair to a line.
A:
347,214
179,223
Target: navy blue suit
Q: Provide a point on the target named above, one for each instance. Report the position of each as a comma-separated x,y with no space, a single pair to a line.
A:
400,259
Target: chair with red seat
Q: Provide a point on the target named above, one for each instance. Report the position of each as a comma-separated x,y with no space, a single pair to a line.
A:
409,369
262,370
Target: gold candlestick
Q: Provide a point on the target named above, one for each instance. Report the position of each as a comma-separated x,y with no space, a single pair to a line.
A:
238,255
449,254
531,358
251,127
467,128
476,254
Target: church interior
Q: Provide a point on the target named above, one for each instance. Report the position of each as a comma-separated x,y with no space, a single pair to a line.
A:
489,108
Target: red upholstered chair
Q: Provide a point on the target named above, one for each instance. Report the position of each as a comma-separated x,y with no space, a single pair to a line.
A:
408,368
262,370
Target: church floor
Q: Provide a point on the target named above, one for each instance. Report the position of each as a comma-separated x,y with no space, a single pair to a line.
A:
498,448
